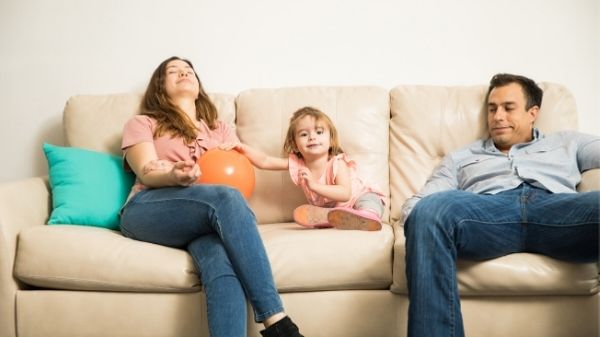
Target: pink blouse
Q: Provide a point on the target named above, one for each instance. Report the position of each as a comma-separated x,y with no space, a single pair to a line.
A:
140,128
358,188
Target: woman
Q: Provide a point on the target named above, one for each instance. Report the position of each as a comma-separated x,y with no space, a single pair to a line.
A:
177,124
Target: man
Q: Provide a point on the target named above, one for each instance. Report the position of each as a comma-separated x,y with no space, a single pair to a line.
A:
512,192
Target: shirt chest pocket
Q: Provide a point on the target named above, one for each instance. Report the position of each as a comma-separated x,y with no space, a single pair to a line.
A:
474,161
477,167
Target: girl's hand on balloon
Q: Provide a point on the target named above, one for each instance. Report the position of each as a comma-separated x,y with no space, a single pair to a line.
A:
231,146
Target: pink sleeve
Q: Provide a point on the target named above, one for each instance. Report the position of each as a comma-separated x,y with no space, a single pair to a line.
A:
137,130
294,164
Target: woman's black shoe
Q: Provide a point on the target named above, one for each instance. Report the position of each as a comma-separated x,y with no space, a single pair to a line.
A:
282,328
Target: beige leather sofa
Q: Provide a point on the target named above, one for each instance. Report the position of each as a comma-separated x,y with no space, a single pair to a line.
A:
64,280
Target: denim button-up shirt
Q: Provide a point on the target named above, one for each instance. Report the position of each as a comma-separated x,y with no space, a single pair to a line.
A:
553,162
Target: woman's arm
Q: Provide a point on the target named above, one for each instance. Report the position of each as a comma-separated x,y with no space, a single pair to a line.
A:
153,172
341,191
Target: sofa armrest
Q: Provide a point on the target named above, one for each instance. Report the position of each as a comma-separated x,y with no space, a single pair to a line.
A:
590,181
23,203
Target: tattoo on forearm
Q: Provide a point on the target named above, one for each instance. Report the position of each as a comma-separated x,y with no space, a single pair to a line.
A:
155,165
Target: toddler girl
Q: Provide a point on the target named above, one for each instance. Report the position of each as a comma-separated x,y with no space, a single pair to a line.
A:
337,197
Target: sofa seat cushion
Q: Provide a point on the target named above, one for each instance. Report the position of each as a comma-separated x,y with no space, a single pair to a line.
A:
90,258
306,259
521,274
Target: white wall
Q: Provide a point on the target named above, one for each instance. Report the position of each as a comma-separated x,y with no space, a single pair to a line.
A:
53,49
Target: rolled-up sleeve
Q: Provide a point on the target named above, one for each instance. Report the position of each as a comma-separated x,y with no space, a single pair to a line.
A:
588,151
138,129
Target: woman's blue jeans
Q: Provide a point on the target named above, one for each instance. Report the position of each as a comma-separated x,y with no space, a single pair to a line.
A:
456,224
216,226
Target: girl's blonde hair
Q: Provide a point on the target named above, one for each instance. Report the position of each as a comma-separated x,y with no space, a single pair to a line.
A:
170,119
289,146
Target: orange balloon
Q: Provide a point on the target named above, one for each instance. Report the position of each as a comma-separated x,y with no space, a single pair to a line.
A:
227,168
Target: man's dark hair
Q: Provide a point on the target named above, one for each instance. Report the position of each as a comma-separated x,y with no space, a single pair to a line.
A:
533,93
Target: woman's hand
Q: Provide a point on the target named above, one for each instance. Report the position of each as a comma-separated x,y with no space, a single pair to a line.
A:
155,173
185,173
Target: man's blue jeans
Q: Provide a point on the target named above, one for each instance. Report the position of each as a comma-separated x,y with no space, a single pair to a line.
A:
216,226
456,224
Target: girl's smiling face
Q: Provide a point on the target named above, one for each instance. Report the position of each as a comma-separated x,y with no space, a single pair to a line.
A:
312,137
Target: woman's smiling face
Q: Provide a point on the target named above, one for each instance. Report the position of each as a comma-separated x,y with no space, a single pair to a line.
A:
180,79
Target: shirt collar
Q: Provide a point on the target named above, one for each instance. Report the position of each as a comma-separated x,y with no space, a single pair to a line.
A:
488,144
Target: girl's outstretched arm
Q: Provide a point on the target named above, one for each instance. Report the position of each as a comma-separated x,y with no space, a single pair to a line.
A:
257,157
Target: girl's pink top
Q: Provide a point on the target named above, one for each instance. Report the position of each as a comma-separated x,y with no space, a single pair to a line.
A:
328,177
140,128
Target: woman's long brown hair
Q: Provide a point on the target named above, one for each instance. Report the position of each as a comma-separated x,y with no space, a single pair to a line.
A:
170,119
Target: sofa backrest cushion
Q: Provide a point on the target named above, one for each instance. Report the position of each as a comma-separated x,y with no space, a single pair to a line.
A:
95,122
361,116
428,122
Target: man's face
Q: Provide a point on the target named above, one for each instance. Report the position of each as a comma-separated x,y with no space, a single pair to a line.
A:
509,122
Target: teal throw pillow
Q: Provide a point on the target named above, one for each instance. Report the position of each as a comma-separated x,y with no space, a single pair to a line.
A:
88,187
